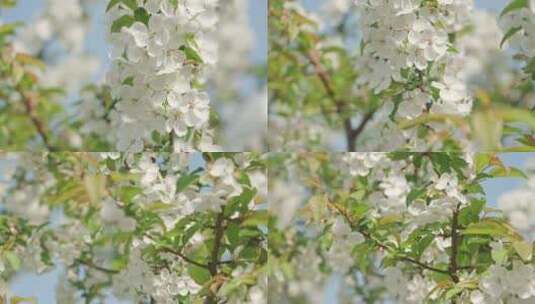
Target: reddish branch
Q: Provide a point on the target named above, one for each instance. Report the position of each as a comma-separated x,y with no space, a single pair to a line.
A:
352,133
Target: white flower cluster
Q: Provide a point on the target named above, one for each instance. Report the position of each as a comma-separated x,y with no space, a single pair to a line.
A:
220,177
502,285
360,164
158,63
406,289
159,180
163,286
390,198
408,42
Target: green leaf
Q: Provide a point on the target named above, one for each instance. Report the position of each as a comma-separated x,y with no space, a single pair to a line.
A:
127,193
530,68
233,234
30,60
236,283
509,34
257,219
112,3
359,210
499,255
8,3
185,181
453,292
516,115
199,274
513,6
482,161
191,54
129,3
13,260
124,21
524,250
471,213
416,193
9,28
493,228
141,15
507,172
22,300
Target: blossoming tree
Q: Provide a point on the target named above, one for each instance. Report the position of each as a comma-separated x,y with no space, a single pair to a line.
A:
157,95
395,228
389,75
153,228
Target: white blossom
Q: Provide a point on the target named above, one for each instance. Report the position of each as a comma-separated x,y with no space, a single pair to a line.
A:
153,82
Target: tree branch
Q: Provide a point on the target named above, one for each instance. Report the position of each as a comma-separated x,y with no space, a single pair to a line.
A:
423,265
455,238
381,245
352,140
219,231
99,268
37,123
178,253
341,105
183,257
